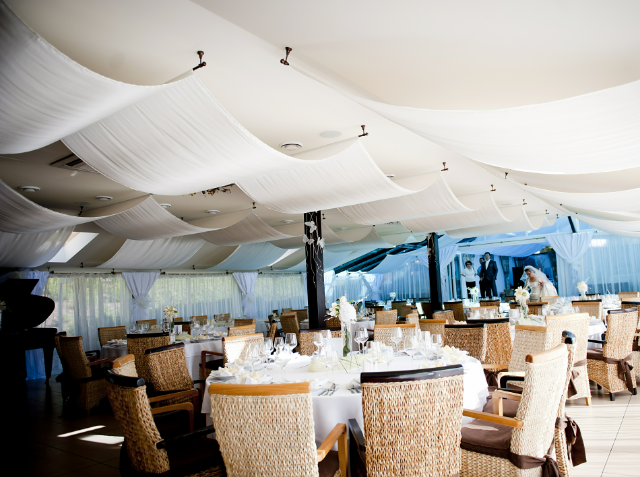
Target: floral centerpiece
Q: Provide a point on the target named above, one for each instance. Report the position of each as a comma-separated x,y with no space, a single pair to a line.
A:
522,295
582,288
392,295
474,292
346,312
170,312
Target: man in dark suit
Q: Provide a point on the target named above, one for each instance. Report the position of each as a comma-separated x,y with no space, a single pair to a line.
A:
488,274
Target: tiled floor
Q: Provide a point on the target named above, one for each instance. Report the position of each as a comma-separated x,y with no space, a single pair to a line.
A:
52,445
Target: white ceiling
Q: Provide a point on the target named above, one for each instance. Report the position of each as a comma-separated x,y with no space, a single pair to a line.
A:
449,55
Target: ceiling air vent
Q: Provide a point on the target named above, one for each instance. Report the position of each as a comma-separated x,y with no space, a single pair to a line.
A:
73,163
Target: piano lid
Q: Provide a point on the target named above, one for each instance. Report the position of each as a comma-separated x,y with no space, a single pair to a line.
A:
23,310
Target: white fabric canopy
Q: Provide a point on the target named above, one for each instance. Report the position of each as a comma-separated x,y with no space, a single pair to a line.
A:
139,284
618,201
31,250
391,263
154,254
486,213
571,248
251,257
249,229
370,242
520,224
44,95
246,282
595,132
329,236
629,228
331,260
436,199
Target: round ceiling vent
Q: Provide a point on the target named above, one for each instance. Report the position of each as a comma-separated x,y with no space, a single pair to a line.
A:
291,146
212,211
29,188
165,206
103,197
391,176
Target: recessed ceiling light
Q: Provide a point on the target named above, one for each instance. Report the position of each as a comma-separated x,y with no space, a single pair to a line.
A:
103,197
83,203
330,134
287,221
291,146
29,188
391,176
165,206
212,211
340,229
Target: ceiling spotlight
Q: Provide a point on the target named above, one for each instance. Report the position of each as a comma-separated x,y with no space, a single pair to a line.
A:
29,188
391,176
287,221
212,211
103,197
291,146
165,206
330,134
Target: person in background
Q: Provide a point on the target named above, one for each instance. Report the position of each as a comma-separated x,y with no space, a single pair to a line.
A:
488,274
480,276
469,275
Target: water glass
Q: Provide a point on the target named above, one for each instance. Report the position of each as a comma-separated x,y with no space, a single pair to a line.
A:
411,347
317,341
388,355
436,344
282,359
279,343
361,337
396,337
330,361
291,341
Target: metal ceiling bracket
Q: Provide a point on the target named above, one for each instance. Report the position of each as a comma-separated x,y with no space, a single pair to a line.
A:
284,60
201,64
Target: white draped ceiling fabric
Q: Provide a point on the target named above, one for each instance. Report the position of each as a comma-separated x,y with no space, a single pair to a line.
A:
391,263
331,260
617,201
249,229
251,257
329,236
31,250
154,254
370,242
521,223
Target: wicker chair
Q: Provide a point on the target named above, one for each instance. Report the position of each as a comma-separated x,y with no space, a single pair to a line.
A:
426,310
242,330
578,325
63,378
413,319
593,308
332,321
86,378
200,319
248,419
386,317
144,451
273,329
457,308
499,348
444,315
287,310
397,305
290,324
535,308
244,322
383,333
222,317
471,337
233,348
137,344
497,445
421,440
301,315
407,310
435,327
306,339
150,322
609,366
495,303
625,295
111,333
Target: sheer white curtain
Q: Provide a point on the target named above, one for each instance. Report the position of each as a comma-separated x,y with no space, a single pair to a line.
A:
274,291
411,281
195,295
139,284
376,286
348,284
570,249
246,282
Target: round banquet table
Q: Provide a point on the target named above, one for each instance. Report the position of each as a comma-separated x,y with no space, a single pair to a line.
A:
192,353
343,405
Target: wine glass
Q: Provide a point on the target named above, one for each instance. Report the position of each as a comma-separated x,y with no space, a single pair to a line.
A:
279,343
330,361
291,341
267,349
283,357
388,355
396,337
361,337
411,347
317,341
437,344
145,327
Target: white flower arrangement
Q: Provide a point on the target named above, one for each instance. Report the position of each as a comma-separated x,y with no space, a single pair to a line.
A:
473,291
522,295
392,295
344,310
582,286
170,311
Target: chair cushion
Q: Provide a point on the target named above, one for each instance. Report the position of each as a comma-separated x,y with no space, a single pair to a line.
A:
191,456
487,438
329,465
595,354
509,407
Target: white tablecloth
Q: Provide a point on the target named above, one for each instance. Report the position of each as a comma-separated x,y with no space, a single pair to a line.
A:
192,353
343,405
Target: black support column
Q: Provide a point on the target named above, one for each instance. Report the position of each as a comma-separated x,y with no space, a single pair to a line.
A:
315,271
434,272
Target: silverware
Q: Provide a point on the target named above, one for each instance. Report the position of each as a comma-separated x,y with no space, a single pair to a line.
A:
335,388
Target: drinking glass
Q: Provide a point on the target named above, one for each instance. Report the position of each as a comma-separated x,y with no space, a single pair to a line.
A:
396,337
133,329
317,341
411,346
267,349
279,343
361,337
282,359
254,357
388,355
437,344
291,341
330,361
145,327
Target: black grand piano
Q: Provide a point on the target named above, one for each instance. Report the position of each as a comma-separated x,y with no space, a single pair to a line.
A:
23,313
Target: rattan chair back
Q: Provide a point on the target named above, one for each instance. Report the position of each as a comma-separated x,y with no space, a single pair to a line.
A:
422,438
592,308
289,322
128,398
549,299
382,333
560,436
471,337
535,308
200,319
242,330
626,295
406,310
435,327
287,310
150,322
332,321
111,333
137,344
397,305
457,308
301,315
56,340
528,340
306,339
620,330
168,368
74,357
485,303
222,316
125,366
258,429
386,317
444,315
237,347
273,329
499,346
426,309
244,322
631,303
413,319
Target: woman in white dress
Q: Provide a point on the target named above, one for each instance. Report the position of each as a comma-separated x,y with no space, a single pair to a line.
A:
538,283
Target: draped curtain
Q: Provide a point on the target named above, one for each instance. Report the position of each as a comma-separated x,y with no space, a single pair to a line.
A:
139,283
276,291
376,286
246,281
569,249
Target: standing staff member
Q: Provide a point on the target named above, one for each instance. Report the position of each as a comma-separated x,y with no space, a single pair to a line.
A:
469,275
488,275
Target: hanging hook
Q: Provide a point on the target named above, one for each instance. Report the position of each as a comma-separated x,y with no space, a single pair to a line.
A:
444,164
546,212
254,205
284,60
524,202
81,207
505,175
202,64
363,133
493,189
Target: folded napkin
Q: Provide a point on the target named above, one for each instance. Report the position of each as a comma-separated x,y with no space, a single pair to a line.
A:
355,384
255,378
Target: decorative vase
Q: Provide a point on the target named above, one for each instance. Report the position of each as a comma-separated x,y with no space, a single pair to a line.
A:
524,309
345,333
475,298
583,295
